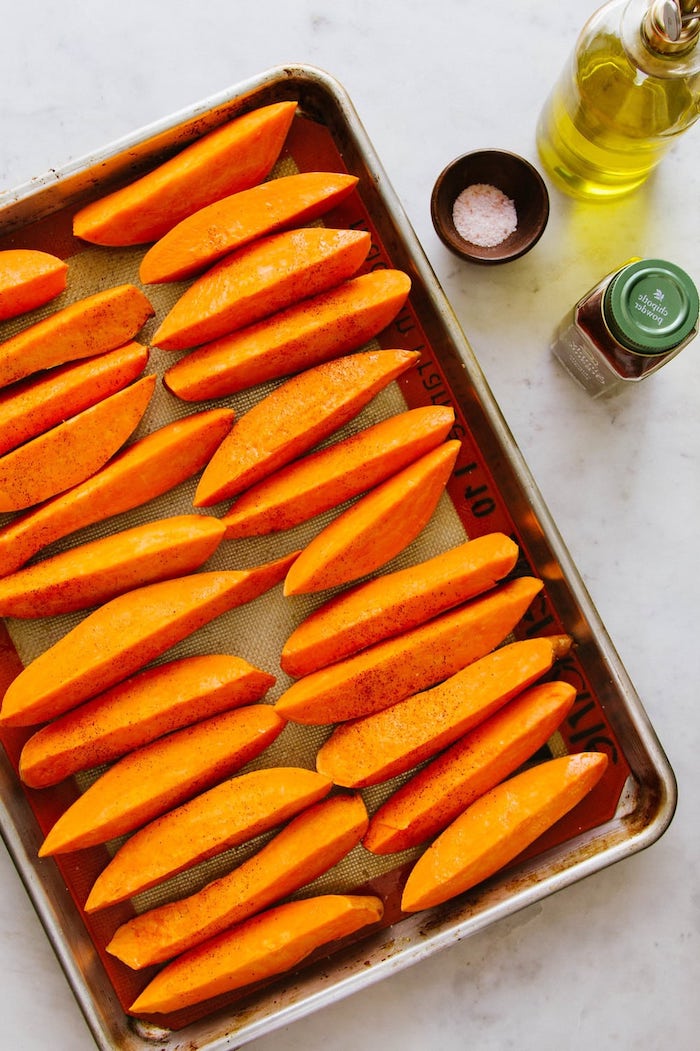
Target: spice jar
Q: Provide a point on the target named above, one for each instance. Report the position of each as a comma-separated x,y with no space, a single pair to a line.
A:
628,326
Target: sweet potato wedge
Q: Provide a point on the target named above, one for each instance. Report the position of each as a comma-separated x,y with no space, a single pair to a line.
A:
33,405
265,945
498,826
258,280
436,795
294,417
90,326
29,279
92,573
317,329
232,157
203,238
390,742
71,452
122,636
396,602
376,528
313,842
142,471
330,476
133,713
395,668
151,780
222,817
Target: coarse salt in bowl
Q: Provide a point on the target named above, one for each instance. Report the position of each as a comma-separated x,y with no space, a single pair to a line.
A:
483,215
490,206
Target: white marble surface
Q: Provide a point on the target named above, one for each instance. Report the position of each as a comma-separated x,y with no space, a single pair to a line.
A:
612,962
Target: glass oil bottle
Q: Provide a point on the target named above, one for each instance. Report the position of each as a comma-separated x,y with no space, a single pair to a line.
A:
631,86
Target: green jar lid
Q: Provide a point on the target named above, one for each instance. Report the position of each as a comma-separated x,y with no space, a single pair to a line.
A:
651,306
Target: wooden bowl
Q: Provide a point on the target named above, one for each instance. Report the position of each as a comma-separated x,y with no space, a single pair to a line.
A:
513,176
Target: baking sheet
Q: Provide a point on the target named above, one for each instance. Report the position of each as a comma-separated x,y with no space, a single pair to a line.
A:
491,489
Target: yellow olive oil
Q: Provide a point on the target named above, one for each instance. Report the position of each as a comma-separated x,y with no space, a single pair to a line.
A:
608,122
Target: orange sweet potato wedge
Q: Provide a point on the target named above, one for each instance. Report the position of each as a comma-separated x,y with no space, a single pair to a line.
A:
312,843
232,157
436,795
67,454
498,826
29,279
395,668
258,280
203,238
265,945
145,469
294,417
213,821
396,602
133,713
124,634
332,475
33,405
376,528
90,326
92,573
305,334
384,744
151,780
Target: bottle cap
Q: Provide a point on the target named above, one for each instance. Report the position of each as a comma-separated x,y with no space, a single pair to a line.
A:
671,27
651,306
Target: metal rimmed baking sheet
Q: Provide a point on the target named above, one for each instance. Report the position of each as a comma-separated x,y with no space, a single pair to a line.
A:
492,489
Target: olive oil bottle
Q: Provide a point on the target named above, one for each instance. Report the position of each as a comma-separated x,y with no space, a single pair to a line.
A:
631,86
